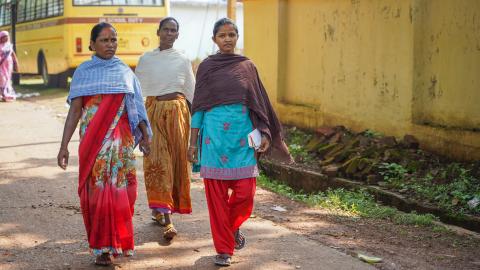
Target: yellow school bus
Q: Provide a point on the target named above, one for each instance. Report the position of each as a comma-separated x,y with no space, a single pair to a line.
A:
52,36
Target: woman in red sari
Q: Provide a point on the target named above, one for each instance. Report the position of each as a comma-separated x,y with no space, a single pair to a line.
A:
106,97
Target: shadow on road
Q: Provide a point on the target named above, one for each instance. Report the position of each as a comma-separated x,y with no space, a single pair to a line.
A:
33,144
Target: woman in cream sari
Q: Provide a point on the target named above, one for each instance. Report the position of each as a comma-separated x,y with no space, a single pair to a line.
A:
168,83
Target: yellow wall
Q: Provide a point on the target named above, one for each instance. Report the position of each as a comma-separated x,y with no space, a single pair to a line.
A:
447,63
370,64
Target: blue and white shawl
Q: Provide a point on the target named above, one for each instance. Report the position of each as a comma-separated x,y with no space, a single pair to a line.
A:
112,76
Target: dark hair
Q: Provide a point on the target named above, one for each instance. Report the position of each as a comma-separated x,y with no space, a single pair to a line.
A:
222,22
168,19
96,31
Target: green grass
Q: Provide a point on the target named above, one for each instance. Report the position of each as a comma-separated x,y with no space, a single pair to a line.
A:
451,186
357,203
372,134
453,195
296,144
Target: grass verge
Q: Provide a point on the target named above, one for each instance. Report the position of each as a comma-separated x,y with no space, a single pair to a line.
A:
371,158
357,203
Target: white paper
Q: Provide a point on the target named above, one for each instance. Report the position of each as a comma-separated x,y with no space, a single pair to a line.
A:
255,139
279,208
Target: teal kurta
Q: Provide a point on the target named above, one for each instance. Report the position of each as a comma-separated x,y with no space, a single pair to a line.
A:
225,154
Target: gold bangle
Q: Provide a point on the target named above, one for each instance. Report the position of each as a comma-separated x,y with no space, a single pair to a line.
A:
194,147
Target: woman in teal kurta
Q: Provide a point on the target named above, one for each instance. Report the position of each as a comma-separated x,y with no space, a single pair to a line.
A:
224,148
229,103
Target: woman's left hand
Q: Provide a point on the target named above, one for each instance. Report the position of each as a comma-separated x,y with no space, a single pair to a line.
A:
192,154
264,145
145,146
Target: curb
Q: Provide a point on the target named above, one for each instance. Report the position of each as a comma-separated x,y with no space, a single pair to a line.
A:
311,181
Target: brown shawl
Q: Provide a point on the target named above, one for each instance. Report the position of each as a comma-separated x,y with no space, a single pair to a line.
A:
230,79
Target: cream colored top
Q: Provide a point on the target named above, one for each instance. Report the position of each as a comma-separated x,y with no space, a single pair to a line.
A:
164,72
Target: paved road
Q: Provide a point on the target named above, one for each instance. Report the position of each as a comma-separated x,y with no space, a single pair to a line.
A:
41,226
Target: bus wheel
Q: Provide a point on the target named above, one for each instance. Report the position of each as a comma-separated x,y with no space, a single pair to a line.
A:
43,70
59,80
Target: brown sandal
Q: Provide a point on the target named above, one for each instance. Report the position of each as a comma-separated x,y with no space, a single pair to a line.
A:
170,232
159,218
104,260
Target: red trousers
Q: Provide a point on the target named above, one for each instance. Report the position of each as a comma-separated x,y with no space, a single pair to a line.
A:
228,211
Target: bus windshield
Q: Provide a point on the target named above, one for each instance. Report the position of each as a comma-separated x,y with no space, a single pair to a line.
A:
118,2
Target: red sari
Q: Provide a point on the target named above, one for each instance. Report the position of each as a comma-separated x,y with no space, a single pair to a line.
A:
107,178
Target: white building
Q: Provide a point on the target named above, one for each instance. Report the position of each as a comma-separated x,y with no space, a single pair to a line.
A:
196,19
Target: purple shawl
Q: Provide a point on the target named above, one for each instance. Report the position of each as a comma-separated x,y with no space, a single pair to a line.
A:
230,79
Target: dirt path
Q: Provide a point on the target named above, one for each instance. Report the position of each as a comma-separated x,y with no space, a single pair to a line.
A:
41,226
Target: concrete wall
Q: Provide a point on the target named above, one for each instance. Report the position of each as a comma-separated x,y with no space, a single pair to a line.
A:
394,66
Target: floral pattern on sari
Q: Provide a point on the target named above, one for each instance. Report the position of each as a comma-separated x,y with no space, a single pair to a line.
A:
114,173
116,160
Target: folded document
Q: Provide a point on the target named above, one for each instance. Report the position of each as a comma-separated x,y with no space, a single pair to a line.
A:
255,139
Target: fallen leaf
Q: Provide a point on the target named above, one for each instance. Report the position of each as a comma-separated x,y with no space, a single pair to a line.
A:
369,259
454,201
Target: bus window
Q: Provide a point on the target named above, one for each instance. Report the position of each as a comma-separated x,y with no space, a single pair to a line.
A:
5,14
118,2
21,11
41,9
55,8
30,10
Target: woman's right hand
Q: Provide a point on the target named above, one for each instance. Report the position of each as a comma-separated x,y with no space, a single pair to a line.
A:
62,158
192,154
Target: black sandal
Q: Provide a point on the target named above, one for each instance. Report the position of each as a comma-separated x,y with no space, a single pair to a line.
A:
223,260
240,240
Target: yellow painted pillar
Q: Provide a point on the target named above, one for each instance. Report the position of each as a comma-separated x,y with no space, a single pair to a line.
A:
232,9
